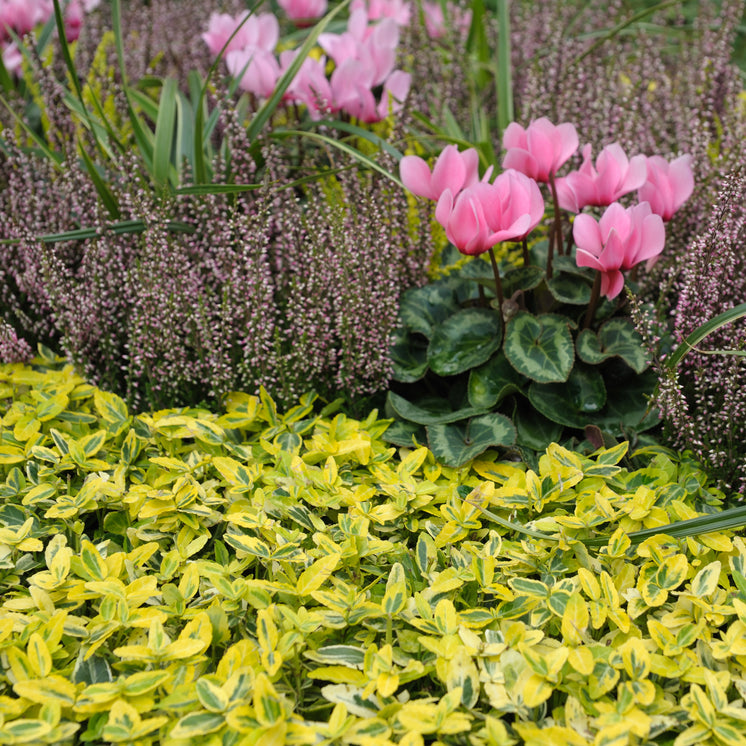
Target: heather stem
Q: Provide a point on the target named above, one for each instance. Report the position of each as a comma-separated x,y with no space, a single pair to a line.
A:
498,282
595,294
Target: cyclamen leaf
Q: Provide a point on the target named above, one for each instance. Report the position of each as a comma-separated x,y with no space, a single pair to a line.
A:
616,337
464,340
540,347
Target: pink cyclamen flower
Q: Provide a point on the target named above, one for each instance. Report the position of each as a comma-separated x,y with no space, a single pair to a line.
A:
399,10
395,91
613,176
310,85
617,242
303,10
259,70
453,171
485,214
539,150
262,31
668,185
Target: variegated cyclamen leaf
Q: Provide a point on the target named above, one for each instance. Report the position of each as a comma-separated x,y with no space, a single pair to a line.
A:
574,403
540,347
464,340
457,444
616,338
491,382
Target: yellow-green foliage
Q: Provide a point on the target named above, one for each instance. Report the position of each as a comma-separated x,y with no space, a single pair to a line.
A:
254,577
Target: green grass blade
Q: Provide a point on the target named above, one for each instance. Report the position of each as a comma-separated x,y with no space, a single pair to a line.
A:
364,134
44,148
218,188
727,317
342,146
200,135
504,77
144,139
103,190
164,133
725,520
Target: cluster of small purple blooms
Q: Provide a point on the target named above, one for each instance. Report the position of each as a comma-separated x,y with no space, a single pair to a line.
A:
478,214
23,16
364,56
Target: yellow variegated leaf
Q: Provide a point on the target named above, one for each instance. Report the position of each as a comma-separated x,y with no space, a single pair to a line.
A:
339,675
556,735
418,717
267,704
211,696
575,620
38,655
395,596
582,660
317,574
52,688
534,690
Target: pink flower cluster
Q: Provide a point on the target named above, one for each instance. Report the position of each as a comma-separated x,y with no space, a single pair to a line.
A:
364,58
23,16
478,214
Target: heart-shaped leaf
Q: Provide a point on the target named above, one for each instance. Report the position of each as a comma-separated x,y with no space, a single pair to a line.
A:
408,356
464,340
534,430
522,278
627,406
457,444
490,383
423,309
574,403
616,338
570,289
540,347
429,415
405,434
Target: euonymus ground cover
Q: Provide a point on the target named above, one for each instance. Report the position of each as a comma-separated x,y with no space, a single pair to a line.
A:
259,577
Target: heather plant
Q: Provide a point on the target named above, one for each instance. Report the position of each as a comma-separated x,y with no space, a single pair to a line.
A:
166,288
701,393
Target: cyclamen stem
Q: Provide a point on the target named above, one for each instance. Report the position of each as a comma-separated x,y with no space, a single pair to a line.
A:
498,282
557,216
595,294
526,258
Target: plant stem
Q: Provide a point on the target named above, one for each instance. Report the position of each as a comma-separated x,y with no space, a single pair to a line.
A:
526,259
557,215
595,293
498,282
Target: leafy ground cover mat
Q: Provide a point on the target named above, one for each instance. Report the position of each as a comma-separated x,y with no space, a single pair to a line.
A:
257,577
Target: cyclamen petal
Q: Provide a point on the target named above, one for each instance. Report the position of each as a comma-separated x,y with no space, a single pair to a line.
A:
587,235
539,150
452,170
618,241
668,185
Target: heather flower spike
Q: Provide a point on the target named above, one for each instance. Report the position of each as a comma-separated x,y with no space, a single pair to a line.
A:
668,185
453,171
613,176
539,150
621,239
